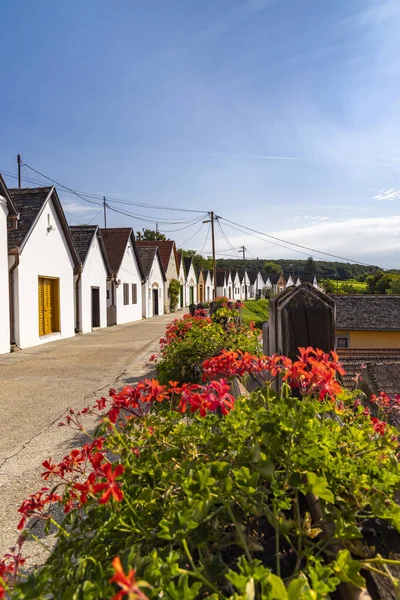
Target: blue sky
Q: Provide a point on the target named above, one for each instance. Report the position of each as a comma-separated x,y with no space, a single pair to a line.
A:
186,104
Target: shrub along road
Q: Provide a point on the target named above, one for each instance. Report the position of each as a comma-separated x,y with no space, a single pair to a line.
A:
39,384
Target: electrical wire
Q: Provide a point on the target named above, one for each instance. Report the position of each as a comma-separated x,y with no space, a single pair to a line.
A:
148,219
112,198
95,217
181,228
224,235
205,241
267,242
297,245
194,235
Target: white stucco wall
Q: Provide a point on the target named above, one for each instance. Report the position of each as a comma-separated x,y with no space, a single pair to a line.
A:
221,291
236,287
4,297
181,278
155,281
94,275
45,254
191,280
171,273
128,273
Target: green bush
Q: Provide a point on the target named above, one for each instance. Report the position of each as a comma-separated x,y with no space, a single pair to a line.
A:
219,507
191,340
256,311
174,290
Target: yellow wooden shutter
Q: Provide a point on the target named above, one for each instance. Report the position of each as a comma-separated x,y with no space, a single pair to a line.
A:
41,307
47,296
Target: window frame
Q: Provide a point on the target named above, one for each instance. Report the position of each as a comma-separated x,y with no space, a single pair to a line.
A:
126,293
134,293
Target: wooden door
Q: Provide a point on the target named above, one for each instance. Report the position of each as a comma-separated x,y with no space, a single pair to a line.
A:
155,302
95,307
48,306
181,291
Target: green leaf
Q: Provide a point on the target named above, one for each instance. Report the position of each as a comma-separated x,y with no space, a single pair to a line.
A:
278,590
347,569
297,588
319,487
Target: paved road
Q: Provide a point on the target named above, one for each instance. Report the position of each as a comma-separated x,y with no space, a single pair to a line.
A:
38,385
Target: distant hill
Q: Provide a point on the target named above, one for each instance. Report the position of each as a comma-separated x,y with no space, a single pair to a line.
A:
324,269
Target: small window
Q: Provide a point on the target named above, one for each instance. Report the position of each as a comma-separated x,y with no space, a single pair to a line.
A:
134,293
126,293
342,342
108,294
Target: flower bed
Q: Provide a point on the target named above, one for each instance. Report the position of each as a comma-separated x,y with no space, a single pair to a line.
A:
191,340
265,496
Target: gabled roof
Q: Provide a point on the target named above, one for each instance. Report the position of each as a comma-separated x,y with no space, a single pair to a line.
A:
187,261
221,277
252,276
165,248
115,241
146,257
12,209
83,236
368,312
308,277
273,277
179,262
30,203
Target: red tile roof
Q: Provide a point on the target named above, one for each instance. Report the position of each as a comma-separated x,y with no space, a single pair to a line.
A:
165,248
115,240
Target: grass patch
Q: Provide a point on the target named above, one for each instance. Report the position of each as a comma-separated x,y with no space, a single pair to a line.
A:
350,286
257,311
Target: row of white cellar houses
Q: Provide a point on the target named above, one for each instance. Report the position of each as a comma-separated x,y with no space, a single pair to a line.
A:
60,280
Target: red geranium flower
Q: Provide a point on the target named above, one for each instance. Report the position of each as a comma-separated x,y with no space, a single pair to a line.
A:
110,488
378,426
128,584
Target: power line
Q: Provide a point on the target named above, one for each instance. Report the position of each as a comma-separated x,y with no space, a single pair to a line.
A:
205,241
194,235
266,241
113,199
152,219
226,239
185,227
95,217
298,245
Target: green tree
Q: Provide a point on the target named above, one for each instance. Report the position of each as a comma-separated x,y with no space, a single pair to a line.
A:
199,261
150,235
394,287
311,266
329,286
379,283
272,267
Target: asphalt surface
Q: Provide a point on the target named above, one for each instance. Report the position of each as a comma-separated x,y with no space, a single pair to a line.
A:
38,386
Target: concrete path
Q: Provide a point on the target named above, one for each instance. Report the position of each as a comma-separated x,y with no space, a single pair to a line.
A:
38,385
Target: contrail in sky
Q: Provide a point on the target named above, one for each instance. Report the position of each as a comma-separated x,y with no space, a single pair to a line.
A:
221,155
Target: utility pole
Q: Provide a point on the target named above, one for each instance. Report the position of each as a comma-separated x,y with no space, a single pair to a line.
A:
213,253
244,266
105,212
19,161
211,220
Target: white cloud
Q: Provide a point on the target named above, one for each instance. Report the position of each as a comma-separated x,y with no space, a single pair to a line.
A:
388,195
74,208
371,240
